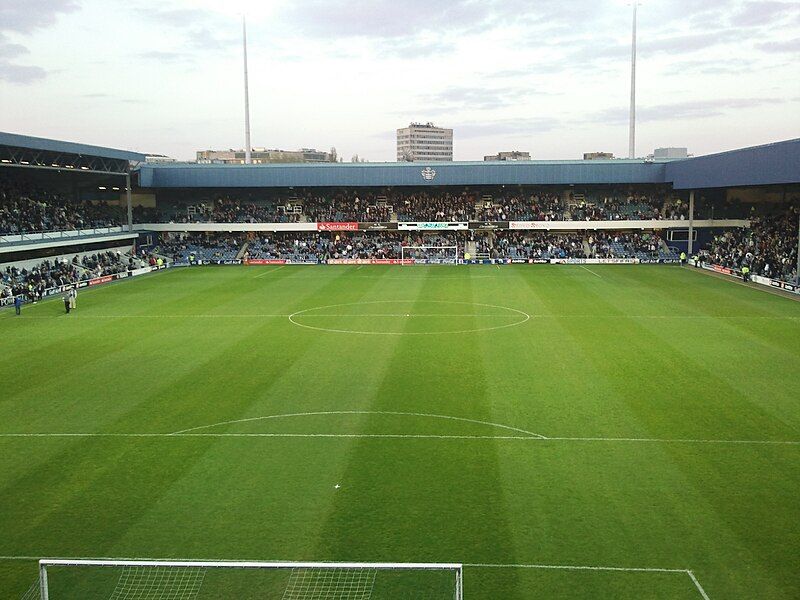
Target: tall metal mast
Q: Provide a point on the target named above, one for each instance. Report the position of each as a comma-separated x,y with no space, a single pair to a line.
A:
632,125
247,145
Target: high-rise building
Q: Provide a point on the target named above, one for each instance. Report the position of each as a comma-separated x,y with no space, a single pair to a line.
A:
425,141
513,155
598,155
263,156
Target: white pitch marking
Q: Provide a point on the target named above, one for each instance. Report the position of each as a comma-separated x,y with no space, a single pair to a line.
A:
698,586
525,317
671,441
337,486
286,315
208,316
590,271
364,412
473,565
574,568
729,279
506,316
399,436
422,436
268,272
467,565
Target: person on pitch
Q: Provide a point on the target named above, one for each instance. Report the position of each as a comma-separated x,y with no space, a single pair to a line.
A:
18,303
67,301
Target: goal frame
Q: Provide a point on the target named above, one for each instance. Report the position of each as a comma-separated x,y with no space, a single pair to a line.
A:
44,593
404,249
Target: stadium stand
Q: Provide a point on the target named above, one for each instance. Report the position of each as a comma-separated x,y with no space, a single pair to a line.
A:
452,205
26,208
200,248
769,247
35,281
498,245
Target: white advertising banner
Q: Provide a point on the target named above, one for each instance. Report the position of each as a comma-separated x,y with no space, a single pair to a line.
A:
433,226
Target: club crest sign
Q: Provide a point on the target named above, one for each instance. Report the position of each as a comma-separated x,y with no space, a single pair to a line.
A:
428,174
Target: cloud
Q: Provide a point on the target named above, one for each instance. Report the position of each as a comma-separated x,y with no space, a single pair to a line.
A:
25,16
408,18
476,97
711,67
381,18
197,26
763,12
12,72
204,39
176,17
681,110
690,42
165,56
20,74
415,47
9,50
780,47
510,128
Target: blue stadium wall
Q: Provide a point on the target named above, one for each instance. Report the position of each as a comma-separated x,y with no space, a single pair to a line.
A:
401,174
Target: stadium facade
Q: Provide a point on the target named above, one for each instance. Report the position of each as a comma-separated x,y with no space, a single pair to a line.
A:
771,164
127,180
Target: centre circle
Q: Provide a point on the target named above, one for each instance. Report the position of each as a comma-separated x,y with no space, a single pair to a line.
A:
411,317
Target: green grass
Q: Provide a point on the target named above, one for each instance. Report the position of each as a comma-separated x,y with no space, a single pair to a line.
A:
656,353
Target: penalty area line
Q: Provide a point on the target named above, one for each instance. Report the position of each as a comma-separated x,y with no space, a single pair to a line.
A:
590,271
688,572
697,585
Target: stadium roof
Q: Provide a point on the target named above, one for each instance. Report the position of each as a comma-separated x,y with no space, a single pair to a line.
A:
36,143
772,164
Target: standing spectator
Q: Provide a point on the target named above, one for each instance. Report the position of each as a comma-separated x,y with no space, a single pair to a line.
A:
18,303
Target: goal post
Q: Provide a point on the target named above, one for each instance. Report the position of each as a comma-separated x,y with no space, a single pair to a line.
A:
430,255
197,580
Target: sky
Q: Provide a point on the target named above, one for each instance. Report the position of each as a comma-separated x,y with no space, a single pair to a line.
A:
551,77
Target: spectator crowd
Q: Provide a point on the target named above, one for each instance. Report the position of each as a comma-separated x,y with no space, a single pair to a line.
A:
33,282
398,204
26,208
768,248
501,244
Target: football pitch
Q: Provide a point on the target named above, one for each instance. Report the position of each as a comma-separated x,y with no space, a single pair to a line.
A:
563,431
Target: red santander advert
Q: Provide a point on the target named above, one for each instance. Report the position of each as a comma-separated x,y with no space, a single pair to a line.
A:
337,226
99,280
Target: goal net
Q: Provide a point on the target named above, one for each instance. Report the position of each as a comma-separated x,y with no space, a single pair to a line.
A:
429,255
204,580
